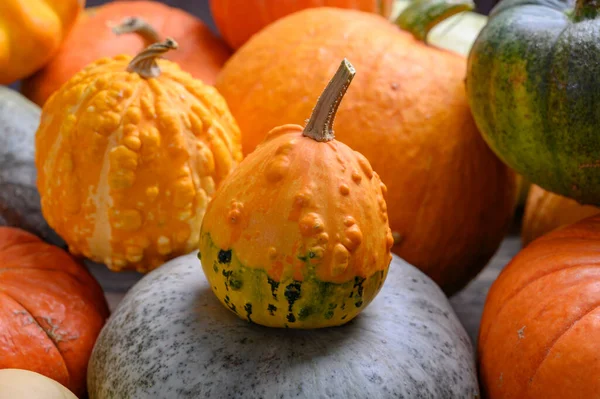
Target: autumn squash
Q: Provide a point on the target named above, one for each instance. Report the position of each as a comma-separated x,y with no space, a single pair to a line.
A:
24,384
539,331
129,152
546,211
532,85
298,236
171,334
237,21
51,310
19,198
127,27
31,31
407,113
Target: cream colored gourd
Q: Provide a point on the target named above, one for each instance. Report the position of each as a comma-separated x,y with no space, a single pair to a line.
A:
25,384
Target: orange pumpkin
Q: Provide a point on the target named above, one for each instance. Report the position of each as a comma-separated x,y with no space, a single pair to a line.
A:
51,310
101,33
451,200
298,235
128,153
540,330
238,20
546,211
31,31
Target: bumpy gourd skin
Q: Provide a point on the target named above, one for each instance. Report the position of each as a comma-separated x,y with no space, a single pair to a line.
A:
533,81
127,165
298,235
31,31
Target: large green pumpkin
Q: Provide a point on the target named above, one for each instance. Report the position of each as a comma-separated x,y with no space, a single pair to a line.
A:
533,84
170,337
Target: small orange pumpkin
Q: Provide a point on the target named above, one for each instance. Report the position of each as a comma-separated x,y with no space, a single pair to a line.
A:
546,211
100,32
238,20
31,31
128,153
540,328
298,236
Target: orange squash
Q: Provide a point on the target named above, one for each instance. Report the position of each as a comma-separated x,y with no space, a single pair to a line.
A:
51,310
451,199
297,236
238,20
546,211
101,32
31,31
540,329
128,153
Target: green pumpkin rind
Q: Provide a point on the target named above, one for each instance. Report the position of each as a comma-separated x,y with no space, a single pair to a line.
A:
290,303
533,83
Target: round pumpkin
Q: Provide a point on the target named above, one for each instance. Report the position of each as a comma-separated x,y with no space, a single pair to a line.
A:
298,236
539,330
129,152
31,32
546,211
237,21
451,199
127,27
19,198
532,85
170,336
24,384
51,310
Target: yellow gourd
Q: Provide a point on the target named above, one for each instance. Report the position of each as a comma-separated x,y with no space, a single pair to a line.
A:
31,32
129,153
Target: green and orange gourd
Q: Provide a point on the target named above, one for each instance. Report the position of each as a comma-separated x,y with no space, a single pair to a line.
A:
298,235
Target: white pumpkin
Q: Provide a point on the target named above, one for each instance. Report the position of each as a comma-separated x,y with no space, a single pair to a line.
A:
25,384
171,338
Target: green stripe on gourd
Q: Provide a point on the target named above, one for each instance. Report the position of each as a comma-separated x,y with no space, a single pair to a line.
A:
533,88
252,294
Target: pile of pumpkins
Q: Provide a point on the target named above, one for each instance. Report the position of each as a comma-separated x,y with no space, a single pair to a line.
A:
304,190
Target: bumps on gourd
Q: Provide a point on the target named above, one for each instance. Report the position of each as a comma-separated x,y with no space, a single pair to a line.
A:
127,165
298,235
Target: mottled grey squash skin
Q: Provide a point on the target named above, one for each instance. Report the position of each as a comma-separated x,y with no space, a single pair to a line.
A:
171,338
19,198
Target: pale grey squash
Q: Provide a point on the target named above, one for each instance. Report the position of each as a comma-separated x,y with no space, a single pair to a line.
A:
19,198
171,338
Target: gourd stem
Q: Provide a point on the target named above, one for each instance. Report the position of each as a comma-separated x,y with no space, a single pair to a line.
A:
420,16
145,64
139,26
586,9
320,125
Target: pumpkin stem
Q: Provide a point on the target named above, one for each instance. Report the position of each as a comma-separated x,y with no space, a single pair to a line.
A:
139,26
320,125
420,16
145,64
586,9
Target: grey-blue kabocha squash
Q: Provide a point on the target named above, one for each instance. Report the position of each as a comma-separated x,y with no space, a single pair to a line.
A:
19,199
171,338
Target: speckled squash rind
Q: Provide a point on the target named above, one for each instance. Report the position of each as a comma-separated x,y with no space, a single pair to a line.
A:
170,337
127,165
19,198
